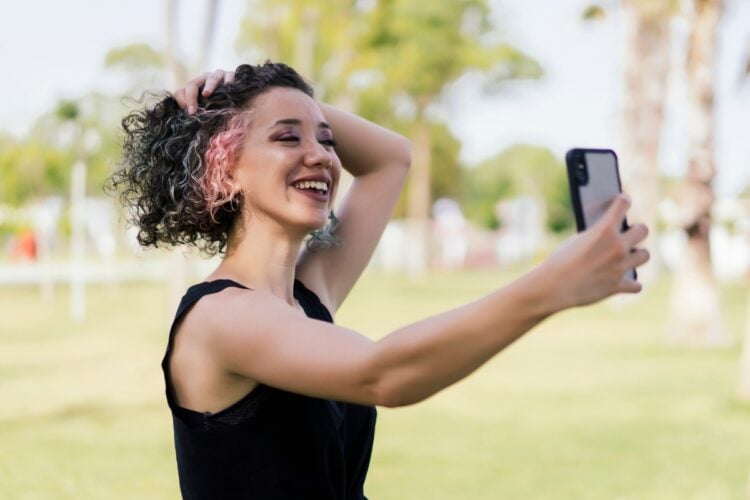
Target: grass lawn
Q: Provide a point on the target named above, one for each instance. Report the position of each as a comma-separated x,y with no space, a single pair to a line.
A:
590,405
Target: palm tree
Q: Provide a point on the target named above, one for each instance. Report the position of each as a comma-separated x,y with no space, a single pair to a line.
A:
744,380
695,317
647,45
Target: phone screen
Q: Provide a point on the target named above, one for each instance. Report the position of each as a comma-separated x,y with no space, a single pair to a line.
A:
602,186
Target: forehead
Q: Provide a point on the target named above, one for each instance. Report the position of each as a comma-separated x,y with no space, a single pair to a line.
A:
282,103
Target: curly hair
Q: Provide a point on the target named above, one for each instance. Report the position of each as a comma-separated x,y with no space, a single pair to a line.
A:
174,172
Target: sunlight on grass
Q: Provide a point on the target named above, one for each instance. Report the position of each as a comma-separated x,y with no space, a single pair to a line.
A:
590,405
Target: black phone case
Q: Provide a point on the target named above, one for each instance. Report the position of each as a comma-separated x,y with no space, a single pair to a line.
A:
575,193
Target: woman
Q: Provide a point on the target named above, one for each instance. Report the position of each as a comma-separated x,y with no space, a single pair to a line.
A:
269,398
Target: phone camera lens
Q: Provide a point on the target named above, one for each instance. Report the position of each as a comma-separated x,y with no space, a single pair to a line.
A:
581,172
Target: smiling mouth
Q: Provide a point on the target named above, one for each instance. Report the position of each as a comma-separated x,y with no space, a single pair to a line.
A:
317,187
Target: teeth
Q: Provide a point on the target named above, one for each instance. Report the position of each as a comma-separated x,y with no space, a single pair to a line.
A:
319,185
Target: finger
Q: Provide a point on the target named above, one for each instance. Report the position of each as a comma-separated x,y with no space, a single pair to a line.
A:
191,94
636,258
616,211
635,234
629,286
214,80
229,77
179,96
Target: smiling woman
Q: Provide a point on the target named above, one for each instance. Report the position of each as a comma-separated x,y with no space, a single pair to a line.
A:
269,398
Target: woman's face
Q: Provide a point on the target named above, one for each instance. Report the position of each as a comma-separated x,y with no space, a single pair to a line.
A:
288,169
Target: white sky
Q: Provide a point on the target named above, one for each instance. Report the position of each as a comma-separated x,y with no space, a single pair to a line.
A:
51,50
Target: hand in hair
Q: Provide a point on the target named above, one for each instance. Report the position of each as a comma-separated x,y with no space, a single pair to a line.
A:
187,96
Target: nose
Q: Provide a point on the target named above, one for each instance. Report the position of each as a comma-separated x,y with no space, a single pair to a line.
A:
318,156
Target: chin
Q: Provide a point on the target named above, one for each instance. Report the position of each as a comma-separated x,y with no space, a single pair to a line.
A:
319,225
312,223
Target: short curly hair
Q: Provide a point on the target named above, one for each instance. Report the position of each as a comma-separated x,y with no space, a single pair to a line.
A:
173,175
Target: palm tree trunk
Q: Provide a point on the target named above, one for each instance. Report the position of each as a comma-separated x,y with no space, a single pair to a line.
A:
646,71
695,311
207,39
418,198
176,73
304,47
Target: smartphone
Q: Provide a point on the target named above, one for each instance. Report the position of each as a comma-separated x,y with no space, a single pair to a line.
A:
594,180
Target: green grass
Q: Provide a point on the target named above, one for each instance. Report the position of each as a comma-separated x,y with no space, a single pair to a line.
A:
590,405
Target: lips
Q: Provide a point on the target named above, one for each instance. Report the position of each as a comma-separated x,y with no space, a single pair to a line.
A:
313,194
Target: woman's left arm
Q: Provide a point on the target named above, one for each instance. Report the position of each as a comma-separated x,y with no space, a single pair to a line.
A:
379,160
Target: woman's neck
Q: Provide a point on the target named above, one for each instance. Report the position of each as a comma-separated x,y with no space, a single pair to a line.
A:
261,258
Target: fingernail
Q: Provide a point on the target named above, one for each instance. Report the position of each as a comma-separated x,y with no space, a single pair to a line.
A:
191,110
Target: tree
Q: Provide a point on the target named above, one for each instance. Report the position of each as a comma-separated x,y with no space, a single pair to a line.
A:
695,313
39,164
140,62
32,169
316,37
647,45
743,387
448,175
415,51
521,168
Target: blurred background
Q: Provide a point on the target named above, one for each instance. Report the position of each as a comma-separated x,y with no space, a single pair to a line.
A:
640,398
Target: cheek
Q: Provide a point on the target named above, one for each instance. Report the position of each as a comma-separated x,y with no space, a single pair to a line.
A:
259,171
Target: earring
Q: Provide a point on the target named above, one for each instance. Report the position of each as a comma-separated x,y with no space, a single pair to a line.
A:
235,197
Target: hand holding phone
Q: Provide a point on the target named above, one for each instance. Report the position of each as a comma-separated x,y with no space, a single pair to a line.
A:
594,181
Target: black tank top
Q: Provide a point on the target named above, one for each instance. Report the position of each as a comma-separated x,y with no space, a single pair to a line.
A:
271,443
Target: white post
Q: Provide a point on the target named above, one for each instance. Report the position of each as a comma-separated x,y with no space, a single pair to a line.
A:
77,242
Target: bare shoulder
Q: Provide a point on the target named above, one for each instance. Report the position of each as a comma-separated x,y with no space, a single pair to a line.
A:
246,335
200,376
240,326
218,322
201,320
235,311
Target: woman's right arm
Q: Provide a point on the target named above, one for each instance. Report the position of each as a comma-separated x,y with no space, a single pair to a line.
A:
265,340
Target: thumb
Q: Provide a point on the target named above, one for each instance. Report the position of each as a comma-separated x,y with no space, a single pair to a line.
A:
616,211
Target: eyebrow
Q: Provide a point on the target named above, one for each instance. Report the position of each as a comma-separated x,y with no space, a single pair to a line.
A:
297,121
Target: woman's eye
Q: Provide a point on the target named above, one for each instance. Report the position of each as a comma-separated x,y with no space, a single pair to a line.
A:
288,138
328,142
